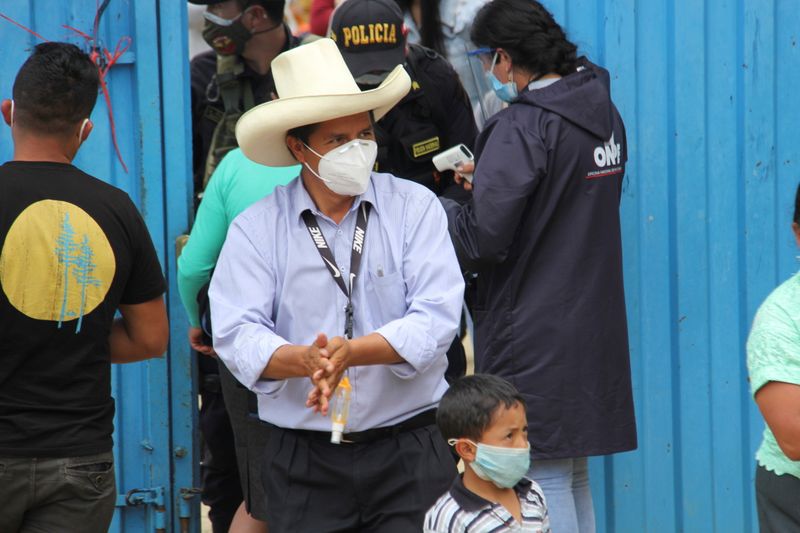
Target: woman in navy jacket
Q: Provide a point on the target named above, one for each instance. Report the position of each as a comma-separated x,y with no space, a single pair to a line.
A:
543,233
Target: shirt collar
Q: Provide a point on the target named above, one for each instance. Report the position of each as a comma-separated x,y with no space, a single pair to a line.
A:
302,202
471,502
541,84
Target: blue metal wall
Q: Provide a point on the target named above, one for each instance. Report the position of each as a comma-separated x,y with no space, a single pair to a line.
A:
706,89
155,438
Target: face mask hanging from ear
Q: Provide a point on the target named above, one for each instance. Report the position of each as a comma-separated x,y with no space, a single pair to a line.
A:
504,467
83,126
506,92
12,113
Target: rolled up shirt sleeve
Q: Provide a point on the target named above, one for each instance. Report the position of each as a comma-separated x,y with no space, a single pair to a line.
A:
434,291
242,295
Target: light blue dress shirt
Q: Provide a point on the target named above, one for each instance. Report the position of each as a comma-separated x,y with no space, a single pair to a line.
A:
271,288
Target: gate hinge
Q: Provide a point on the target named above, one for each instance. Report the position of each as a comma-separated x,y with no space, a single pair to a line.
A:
152,496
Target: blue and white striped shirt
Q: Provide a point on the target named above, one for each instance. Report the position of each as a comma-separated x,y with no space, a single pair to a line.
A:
462,511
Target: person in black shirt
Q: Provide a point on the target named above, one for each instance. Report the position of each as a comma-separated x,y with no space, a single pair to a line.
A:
246,35
73,251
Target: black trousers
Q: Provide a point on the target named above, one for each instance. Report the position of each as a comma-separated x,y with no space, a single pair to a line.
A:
382,486
250,436
778,502
221,489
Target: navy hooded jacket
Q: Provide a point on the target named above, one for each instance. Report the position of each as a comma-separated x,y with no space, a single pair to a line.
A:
543,233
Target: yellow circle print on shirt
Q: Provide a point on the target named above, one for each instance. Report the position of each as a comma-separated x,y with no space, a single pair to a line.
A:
56,263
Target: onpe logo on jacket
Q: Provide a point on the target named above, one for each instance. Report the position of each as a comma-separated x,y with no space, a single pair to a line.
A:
608,159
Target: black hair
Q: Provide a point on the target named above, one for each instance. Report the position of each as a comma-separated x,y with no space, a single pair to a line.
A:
528,33
470,404
797,205
303,132
274,8
430,30
55,88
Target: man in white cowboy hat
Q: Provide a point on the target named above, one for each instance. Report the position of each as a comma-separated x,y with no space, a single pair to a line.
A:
344,272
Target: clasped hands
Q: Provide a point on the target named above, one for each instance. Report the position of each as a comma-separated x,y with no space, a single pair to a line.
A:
325,362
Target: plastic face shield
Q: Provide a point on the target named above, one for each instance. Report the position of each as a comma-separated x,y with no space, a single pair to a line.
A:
480,61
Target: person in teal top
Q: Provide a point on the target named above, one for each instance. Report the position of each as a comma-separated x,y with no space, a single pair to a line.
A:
773,362
236,184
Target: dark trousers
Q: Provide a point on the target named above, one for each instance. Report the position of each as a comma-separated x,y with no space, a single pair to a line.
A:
69,495
250,436
221,490
778,502
383,486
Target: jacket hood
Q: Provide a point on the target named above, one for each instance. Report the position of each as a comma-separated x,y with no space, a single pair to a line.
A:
582,98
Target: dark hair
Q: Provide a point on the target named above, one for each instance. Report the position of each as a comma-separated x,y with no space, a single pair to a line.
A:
55,88
797,205
274,8
303,132
430,27
469,405
528,32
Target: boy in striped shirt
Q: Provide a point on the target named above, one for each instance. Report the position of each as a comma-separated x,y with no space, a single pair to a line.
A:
483,417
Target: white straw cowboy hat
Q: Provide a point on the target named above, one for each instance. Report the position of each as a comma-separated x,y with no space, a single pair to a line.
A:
313,85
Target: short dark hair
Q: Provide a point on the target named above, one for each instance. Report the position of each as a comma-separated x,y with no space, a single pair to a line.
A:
303,132
274,8
55,88
797,205
470,404
529,33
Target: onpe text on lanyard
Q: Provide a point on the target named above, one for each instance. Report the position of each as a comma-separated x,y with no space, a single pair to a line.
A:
356,252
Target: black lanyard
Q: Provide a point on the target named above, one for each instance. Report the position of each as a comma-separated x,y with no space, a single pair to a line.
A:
359,237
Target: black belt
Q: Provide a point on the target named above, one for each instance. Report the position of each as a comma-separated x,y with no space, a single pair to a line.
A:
423,419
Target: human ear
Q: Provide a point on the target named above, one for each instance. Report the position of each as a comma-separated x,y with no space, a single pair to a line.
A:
295,146
796,230
86,128
258,17
466,450
5,107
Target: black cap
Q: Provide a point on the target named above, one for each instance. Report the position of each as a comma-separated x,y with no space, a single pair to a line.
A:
369,34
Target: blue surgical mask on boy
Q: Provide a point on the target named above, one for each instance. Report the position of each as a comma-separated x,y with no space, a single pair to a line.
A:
504,467
506,92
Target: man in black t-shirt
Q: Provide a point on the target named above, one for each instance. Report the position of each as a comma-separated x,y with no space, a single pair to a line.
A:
73,251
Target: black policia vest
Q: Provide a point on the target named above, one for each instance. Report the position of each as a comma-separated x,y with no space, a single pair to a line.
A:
410,134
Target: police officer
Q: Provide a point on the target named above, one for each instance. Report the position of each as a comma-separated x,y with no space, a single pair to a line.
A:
434,116
245,36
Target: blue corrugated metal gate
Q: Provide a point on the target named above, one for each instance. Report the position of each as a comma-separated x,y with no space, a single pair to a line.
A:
154,439
706,89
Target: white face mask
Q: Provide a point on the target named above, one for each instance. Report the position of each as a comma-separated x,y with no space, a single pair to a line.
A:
347,168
